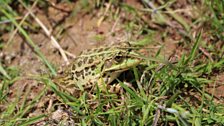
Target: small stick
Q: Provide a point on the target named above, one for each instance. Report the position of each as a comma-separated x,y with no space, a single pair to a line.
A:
48,33
21,22
104,14
206,53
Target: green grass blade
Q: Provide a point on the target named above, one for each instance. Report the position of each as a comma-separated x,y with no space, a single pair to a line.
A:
32,120
132,93
194,49
3,72
30,42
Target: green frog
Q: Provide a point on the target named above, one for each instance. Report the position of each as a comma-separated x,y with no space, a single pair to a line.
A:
97,67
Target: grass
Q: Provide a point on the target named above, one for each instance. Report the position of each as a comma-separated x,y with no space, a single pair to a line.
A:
217,8
162,92
25,34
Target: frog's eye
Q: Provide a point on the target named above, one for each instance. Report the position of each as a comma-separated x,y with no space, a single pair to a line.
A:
118,59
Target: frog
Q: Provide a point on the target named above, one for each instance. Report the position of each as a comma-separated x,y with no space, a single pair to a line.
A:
97,67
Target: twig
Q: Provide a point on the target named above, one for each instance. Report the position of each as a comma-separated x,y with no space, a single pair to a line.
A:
161,19
156,117
70,54
29,40
21,22
206,53
48,33
8,21
104,14
177,17
115,24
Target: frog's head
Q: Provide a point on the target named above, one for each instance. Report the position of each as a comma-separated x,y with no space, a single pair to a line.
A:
118,60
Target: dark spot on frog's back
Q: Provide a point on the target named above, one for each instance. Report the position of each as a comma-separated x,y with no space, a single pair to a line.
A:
79,63
83,76
85,60
93,67
100,49
78,73
84,51
73,66
90,60
86,70
106,49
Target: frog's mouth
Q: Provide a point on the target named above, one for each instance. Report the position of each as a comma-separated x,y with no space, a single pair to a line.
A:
110,74
123,66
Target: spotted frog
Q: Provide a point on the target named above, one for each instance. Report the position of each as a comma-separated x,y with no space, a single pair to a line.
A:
97,66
